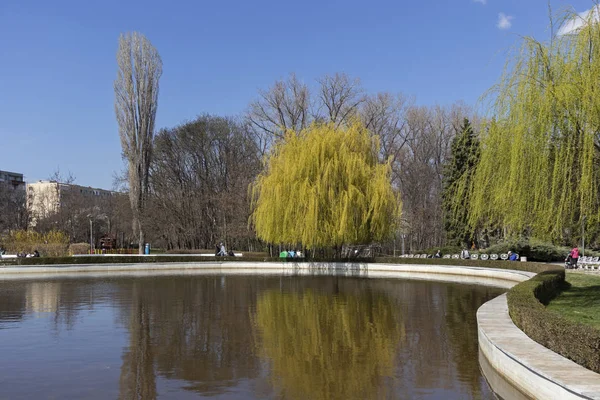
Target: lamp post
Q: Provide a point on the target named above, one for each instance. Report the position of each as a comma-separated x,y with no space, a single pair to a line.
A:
583,235
90,217
91,237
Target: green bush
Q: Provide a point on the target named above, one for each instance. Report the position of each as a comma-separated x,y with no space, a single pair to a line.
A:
575,341
533,249
443,249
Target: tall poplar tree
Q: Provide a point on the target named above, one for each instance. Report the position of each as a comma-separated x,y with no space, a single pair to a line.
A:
324,187
458,177
136,102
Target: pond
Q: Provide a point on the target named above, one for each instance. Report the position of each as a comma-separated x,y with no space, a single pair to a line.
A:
240,337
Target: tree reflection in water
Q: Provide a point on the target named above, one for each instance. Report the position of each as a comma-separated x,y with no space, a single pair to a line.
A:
242,337
194,330
137,372
323,346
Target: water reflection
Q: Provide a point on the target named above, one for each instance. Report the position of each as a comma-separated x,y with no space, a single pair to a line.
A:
463,348
240,337
138,379
321,346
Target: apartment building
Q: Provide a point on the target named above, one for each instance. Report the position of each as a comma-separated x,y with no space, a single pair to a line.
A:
45,198
12,179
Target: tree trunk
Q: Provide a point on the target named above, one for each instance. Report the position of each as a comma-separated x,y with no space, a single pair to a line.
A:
141,241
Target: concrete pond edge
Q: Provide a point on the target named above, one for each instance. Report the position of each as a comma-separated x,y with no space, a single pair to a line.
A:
535,371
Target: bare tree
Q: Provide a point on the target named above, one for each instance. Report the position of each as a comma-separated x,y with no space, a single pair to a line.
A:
58,176
384,115
419,170
284,106
13,210
339,97
199,178
136,101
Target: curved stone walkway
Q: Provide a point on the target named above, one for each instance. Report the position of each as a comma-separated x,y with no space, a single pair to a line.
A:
532,368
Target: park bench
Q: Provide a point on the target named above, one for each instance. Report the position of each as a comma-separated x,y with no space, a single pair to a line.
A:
588,262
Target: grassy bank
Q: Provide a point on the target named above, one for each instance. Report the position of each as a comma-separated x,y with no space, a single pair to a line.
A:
557,330
581,301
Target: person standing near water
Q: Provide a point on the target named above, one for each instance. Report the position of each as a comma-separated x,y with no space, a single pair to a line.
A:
222,251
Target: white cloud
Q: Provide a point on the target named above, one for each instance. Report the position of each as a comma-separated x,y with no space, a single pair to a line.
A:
573,25
504,21
480,1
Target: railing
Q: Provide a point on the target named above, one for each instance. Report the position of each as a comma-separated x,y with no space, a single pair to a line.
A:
113,251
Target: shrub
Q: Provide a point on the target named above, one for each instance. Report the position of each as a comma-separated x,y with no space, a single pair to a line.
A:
52,249
50,244
79,248
444,249
533,249
575,341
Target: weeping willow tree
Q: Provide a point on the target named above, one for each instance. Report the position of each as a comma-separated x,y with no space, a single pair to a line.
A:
324,187
324,347
538,172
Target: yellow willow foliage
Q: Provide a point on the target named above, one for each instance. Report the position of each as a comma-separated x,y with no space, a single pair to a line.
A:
53,243
327,347
540,153
323,187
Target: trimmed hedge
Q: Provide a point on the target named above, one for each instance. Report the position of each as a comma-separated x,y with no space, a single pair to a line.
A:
125,260
526,305
499,264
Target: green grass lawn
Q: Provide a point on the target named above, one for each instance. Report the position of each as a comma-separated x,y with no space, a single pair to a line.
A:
581,302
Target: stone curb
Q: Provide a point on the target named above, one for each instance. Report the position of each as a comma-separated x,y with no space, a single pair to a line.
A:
527,365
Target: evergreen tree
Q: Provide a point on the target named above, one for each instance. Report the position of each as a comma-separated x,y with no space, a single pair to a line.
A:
458,177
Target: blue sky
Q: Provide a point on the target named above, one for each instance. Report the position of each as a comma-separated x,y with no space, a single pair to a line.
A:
57,62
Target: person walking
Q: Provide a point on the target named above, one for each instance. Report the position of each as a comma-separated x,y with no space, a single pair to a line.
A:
574,254
465,255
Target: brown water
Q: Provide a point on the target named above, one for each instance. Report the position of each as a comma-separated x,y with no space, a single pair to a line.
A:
240,338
